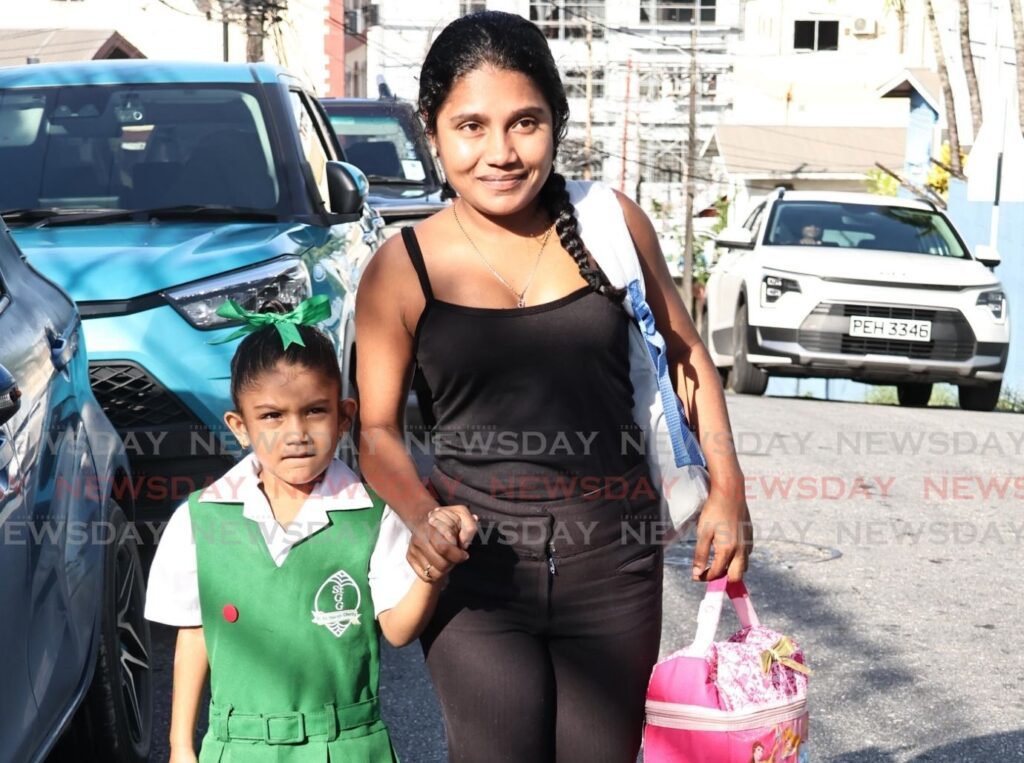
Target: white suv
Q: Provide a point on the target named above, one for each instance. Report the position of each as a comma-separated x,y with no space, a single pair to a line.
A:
871,288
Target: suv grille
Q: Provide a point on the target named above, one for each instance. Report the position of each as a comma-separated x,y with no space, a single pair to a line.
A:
131,397
825,330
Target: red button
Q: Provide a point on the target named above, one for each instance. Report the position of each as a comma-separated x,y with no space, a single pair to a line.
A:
230,613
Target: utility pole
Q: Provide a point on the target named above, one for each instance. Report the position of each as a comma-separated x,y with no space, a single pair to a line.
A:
256,17
993,235
625,126
588,140
691,152
255,30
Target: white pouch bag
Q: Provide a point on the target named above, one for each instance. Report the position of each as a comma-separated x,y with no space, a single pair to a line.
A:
677,464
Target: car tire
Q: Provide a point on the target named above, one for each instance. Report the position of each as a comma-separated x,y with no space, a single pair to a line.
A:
115,722
746,379
914,395
983,398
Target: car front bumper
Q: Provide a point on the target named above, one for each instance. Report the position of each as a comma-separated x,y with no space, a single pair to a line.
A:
807,334
165,389
782,353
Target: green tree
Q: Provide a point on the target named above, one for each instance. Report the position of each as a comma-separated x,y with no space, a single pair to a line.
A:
881,183
938,176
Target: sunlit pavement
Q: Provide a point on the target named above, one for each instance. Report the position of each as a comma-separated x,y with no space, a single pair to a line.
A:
889,547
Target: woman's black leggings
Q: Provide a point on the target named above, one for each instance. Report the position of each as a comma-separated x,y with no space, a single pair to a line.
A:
543,642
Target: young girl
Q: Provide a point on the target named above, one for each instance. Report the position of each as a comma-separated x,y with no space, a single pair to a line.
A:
274,573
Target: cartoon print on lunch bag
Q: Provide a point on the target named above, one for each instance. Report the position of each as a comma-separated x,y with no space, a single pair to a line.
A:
790,744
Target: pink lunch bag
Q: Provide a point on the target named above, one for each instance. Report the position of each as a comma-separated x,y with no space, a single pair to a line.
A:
738,701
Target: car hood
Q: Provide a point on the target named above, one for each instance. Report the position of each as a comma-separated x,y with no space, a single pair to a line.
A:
121,261
871,266
402,194
397,203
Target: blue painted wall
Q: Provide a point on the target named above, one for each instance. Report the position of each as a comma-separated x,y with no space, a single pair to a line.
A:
920,131
973,219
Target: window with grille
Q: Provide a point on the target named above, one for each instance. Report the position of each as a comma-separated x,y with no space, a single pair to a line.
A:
575,82
674,82
661,161
574,160
816,35
467,7
568,20
677,11
663,82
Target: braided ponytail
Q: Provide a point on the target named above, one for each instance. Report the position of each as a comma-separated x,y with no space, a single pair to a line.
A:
554,198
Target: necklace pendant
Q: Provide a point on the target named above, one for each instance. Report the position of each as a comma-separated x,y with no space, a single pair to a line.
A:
521,302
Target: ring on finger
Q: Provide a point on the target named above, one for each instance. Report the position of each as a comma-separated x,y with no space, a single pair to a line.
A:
426,571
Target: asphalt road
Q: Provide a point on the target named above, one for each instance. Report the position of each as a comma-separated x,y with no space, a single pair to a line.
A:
889,547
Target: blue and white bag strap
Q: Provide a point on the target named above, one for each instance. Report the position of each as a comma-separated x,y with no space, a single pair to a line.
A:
685,448
603,227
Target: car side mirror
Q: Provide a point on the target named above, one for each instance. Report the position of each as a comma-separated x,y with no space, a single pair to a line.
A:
735,238
987,255
347,187
10,396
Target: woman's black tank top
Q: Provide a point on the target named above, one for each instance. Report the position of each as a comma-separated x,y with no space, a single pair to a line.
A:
531,403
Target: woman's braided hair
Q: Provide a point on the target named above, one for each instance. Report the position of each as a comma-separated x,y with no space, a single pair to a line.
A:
511,43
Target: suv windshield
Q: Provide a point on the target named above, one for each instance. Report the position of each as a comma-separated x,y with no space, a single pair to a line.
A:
384,141
130,147
862,226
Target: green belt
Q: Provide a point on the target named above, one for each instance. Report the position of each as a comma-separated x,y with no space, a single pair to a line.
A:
291,727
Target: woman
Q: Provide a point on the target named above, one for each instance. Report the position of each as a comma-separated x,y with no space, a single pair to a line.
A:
542,644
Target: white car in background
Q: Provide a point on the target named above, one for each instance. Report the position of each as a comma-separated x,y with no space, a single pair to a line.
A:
847,285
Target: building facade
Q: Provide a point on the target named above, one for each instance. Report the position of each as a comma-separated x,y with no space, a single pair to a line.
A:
321,40
807,62
637,54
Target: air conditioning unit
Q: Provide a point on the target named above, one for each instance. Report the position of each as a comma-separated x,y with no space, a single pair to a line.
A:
371,15
354,23
863,27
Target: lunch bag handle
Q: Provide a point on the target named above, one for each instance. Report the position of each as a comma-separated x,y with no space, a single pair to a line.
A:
711,611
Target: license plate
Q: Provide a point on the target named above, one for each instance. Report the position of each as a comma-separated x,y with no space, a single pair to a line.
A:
891,328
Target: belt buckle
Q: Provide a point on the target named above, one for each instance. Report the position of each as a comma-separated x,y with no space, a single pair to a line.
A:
297,737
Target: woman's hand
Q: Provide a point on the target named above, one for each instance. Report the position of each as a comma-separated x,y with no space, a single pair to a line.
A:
440,538
724,527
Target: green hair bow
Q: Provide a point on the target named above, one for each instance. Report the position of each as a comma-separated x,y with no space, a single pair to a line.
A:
309,312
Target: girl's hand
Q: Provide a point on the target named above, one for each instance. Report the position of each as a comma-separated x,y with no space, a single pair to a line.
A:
724,526
183,755
439,541
455,524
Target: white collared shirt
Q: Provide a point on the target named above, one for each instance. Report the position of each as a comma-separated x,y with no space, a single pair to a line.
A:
173,589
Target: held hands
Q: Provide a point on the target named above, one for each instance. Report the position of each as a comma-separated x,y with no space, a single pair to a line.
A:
439,541
724,527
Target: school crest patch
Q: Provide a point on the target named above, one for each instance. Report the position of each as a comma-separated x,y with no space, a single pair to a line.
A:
336,604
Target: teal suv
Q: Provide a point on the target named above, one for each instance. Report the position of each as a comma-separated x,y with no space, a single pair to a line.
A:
152,192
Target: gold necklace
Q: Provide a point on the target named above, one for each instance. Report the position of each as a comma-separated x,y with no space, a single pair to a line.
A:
519,295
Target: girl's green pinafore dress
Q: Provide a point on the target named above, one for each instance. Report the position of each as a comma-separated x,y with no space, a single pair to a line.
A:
293,650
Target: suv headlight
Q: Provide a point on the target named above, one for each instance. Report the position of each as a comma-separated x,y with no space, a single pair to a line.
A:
285,280
995,301
773,287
